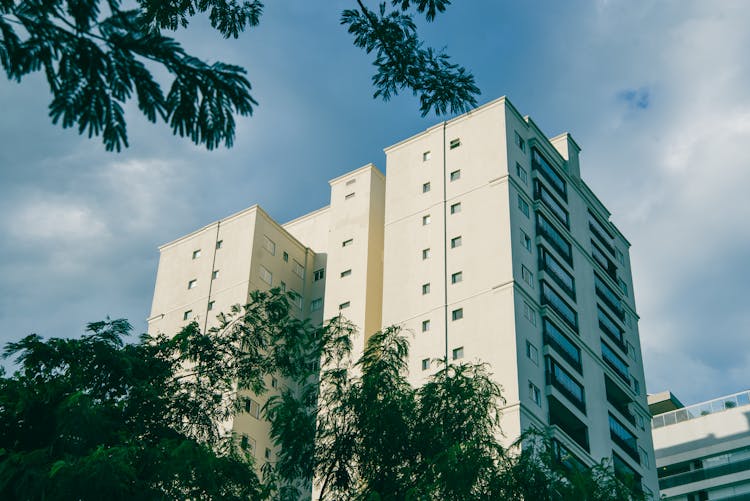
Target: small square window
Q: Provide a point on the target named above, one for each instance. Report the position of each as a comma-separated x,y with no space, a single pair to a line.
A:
193,283
196,254
349,196
456,242
456,208
426,288
457,277
457,314
211,305
347,243
426,156
214,274
346,273
455,143
426,187
527,276
425,364
316,304
458,353
525,241
520,142
425,253
319,274
535,395
532,353
344,305
285,256
456,175
425,325
426,220
523,206
521,173
187,315
219,243
351,182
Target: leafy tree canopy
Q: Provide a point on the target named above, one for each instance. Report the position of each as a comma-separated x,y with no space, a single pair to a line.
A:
99,54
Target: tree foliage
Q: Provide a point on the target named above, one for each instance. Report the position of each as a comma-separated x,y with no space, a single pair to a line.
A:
98,54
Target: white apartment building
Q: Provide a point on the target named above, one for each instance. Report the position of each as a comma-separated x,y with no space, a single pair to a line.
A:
702,451
483,242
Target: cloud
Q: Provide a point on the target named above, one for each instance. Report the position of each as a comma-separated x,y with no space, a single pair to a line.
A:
638,99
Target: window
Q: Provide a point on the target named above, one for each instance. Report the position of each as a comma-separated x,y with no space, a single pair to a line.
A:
347,243
425,288
274,382
285,256
457,277
644,457
457,314
187,315
196,254
532,353
523,206
316,304
252,407
346,273
425,364
351,182
344,305
297,299
425,253
192,283
299,270
426,220
458,353
620,256
426,187
425,325
456,208
631,351
266,275
426,156
520,142
534,394
456,242
456,175
527,276
267,454
211,305
349,196
269,245
525,241
282,286
641,423
248,444
529,313
214,274
636,386
219,243
521,173
319,274
455,143
623,286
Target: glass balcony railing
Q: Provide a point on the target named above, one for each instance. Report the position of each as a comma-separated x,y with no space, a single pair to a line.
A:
565,384
554,238
608,296
703,409
611,329
603,261
557,272
559,306
622,437
549,201
601,235
541,165
704,474
616,363
562,345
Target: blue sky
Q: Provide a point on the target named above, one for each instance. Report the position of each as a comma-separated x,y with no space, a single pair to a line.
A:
655,92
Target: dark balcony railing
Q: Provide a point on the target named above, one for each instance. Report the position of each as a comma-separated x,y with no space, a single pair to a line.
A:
623,438
611,329
599,233
602,260
565,384
549,201
541,165
608,296
557,272
563,345
616,363
559,306
554,238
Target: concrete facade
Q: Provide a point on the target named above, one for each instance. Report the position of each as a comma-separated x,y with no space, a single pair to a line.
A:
486,244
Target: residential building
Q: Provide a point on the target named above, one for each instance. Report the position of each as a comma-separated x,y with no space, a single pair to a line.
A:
703,450
484,242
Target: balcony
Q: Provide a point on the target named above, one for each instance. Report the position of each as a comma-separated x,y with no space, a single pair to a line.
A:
611,329
623,438
703,409
559,378
542,166
616,363
554,238
602,260
562,344
557,272
619,399
559,305
608,296
568,423
704,474
551,203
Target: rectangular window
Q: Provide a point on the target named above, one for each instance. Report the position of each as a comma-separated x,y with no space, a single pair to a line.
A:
456,175
196,254
456,208
458,353
557,272
426,187
425,364
316,304
554,237
425,288
541,165
285,256
623,286
527,276
267,454
456,242
457,314
532,353
248,444
644,458
319,274
214,274
219,243
269,245
297,299
347,243
266,275
521,173
282,286
192,283
252,407
425,325
529,313
351,182
534,394
425,253
631,351
565,383
187,315
211,305
274,382
349,196
299,270
426,156
346,273
620,256
457,277
550,202
344,305
426,220
525,241
562,344
559,305
455,143
523,206
520,142
636,386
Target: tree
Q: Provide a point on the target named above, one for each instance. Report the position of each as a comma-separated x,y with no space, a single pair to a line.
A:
96,54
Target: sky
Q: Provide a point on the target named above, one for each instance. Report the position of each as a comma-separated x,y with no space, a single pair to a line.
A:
655,92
